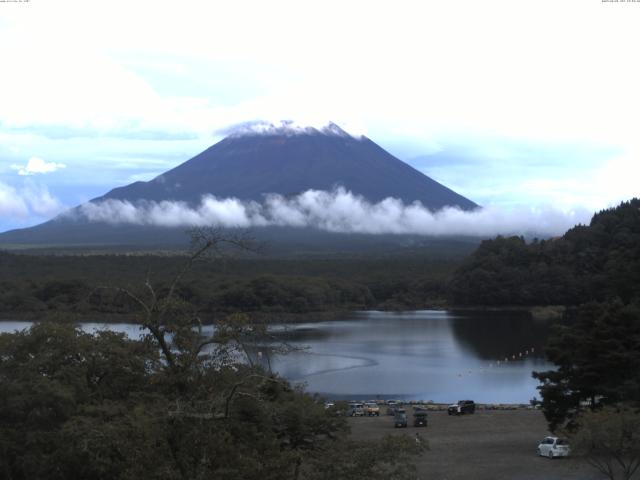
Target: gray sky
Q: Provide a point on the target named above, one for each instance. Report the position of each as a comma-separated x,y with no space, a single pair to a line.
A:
513,104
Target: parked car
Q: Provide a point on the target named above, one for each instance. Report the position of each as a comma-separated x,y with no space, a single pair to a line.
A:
355,410
462,407
337,409
420,419
552,447
400,420
372,408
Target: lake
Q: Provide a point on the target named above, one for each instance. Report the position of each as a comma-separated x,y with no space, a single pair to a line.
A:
434,355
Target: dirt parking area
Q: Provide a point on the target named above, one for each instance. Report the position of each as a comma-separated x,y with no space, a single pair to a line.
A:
490,444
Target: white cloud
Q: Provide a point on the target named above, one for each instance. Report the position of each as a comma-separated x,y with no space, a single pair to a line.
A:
12,205
41,202
476,67
32,199
338,211
37,165
617,179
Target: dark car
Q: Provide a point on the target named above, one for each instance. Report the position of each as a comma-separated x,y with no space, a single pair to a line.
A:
420,419
462,407
400,420
391,407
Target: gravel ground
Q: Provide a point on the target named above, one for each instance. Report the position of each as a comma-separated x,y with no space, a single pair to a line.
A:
491,445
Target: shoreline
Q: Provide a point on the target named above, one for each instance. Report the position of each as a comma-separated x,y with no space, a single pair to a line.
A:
537,312
441,407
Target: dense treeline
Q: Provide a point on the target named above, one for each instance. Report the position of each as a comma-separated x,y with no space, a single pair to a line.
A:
594,262
39,284
598,361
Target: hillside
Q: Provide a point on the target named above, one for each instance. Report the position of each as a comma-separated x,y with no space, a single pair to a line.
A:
594,262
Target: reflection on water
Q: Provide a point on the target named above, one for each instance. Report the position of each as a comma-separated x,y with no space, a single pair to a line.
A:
428,355
493,335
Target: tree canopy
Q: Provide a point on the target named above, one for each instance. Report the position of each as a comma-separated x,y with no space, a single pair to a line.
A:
598,361
594,262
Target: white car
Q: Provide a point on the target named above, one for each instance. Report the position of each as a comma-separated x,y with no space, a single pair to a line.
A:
552,447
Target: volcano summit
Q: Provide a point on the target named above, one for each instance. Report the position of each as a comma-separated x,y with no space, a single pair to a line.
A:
251,165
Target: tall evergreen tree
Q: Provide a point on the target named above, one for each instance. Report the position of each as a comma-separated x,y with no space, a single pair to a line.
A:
598,359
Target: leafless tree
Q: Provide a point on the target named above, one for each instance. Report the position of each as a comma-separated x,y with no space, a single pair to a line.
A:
609,441
163,313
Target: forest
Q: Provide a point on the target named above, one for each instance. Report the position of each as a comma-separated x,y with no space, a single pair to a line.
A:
588,263
35,286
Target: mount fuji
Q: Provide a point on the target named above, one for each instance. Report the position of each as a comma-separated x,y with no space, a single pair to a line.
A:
251,163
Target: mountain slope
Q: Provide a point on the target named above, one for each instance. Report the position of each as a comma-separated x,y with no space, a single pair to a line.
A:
249,166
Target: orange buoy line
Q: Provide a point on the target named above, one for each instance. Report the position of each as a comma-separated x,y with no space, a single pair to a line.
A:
507,359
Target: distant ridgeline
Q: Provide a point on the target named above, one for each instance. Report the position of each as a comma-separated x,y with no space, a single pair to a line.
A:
588,263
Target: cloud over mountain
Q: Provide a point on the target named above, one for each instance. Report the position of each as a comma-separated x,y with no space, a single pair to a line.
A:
337,211
292,176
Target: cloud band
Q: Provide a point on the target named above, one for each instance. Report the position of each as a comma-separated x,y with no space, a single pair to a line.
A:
337,211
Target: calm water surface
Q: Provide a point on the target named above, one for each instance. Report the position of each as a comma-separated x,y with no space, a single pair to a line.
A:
428,355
